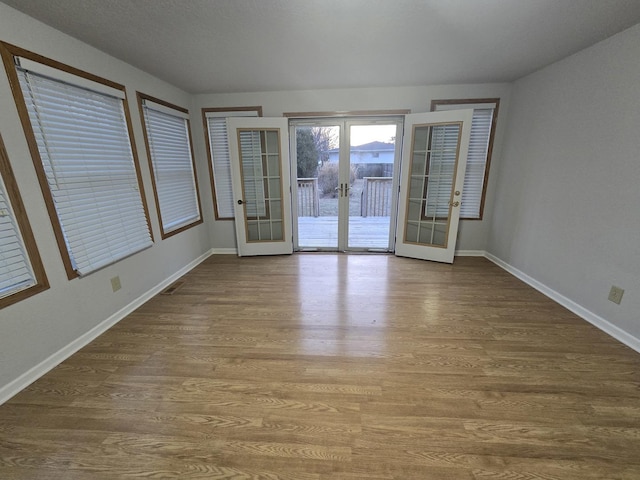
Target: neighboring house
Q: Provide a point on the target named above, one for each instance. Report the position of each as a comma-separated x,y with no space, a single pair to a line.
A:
374,159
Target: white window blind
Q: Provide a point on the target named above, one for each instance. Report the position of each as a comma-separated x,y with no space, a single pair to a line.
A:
443,146
173,172
86,154
220,159
477,158
16,273
252,172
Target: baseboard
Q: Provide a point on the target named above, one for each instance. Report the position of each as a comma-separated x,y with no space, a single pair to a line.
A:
224,251
596,320
30,376
470,253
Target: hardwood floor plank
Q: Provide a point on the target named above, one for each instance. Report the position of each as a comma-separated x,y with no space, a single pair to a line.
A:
335,367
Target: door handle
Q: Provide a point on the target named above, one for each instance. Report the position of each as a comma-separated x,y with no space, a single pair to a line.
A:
454,204
240,202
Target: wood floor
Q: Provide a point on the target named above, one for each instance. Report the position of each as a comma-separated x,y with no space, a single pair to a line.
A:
327,367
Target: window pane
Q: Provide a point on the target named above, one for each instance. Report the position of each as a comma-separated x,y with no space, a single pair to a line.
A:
15,269
172,165
432,175
21,271
86,154
262,184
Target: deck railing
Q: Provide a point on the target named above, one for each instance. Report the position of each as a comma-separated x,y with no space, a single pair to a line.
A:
308,197
376,197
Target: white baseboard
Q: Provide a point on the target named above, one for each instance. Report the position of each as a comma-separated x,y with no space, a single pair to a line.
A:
30,376
470,253
596,320
224,251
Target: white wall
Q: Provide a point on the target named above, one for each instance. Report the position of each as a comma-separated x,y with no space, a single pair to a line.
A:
40,326
473,234
567,205
47,324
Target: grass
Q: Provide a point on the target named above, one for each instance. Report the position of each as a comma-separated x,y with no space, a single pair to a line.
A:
329,206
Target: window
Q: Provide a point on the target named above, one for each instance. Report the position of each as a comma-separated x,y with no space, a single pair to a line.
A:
215,123
483,126
78,129
21,270
168,142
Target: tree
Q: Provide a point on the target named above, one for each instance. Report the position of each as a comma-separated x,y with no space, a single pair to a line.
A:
325,139
307,153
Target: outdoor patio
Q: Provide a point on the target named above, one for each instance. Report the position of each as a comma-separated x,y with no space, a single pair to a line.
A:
368,227
364,232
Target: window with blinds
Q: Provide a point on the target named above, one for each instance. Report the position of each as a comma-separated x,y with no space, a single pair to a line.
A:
15,269
171,163
485,112
86,163
219,160
21,271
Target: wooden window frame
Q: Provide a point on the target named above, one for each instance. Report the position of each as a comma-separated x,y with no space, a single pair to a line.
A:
205,125
494,121
141,97
9,55
347,113
31,249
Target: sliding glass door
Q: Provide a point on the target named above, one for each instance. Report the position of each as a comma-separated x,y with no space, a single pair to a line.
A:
345,176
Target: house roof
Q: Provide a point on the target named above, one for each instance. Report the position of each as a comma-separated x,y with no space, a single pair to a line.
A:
369,147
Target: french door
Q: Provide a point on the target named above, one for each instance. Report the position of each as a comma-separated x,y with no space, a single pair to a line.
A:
421,222
434,159
259,152
344,181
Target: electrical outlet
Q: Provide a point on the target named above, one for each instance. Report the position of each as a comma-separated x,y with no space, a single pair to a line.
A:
115,283
615,295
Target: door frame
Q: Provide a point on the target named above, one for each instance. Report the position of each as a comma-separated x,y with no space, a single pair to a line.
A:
345,122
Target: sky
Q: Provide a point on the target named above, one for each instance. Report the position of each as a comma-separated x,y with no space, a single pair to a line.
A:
361,134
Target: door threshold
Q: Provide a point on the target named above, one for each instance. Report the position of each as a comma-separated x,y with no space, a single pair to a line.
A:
372,251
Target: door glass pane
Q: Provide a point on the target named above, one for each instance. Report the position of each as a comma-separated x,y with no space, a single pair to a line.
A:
431,180
371,154
317,163
261,184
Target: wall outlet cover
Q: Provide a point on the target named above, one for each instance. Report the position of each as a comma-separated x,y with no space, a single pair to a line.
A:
615,294
115,284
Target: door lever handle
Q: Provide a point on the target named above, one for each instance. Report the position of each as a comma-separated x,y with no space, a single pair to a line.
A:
454,204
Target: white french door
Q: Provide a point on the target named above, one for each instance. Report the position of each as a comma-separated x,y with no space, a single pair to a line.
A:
259,151
344,182
434,158
434,153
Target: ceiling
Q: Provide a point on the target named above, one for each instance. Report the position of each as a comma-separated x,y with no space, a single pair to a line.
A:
265,45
